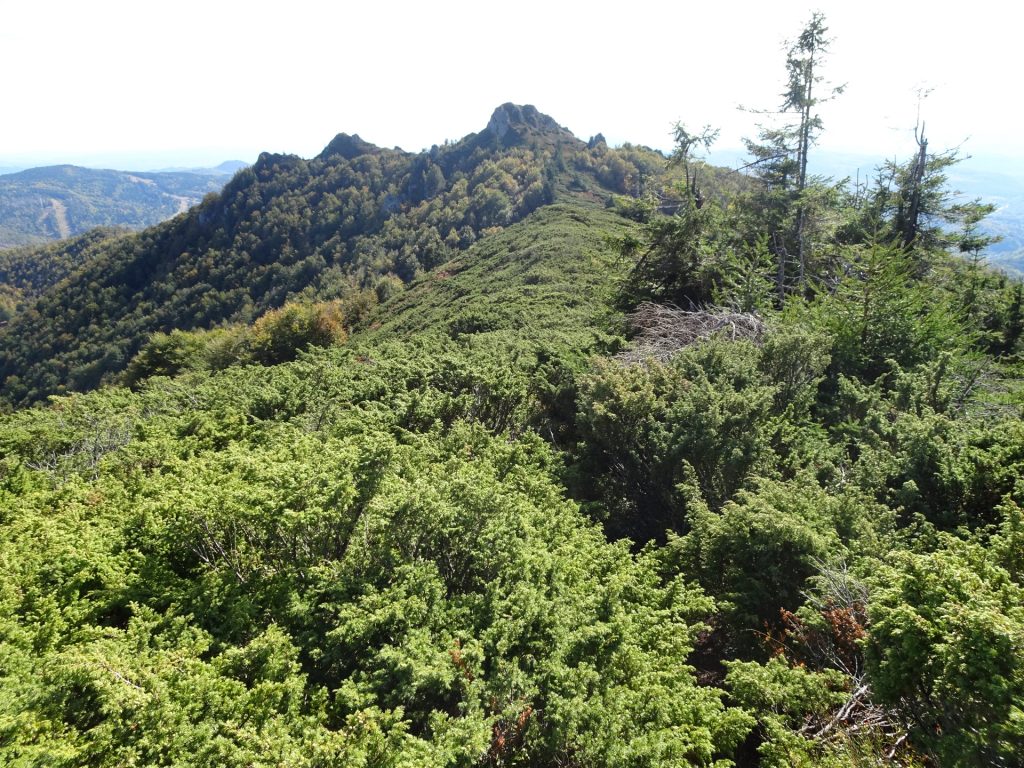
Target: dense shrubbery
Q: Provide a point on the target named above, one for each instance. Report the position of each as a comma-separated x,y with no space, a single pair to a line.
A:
276,337
335,561
365,555
475,535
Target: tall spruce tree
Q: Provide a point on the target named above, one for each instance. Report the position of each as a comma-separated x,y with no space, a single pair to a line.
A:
780,153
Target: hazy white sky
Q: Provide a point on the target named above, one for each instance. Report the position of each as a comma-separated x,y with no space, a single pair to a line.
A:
137,82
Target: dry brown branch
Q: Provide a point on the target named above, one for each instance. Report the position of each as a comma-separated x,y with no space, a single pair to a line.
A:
664,330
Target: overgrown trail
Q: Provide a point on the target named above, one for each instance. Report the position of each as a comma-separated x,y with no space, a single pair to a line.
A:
184,203
60,215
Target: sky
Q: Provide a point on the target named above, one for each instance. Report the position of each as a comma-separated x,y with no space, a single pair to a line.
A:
139,85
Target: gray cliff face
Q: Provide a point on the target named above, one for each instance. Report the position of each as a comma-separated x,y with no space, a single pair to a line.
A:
512,121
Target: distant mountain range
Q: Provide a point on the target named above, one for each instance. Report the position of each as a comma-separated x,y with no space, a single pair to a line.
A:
43,204
228,167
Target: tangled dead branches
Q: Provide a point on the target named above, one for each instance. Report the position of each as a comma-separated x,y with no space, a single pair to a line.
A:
665,329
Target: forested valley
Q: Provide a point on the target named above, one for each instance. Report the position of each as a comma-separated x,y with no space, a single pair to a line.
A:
521,451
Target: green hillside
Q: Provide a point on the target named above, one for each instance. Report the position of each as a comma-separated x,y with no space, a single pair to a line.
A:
352,220
410,429
522,451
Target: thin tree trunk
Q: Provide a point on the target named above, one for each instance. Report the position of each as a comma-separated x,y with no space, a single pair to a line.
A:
804,150
779,246
910,225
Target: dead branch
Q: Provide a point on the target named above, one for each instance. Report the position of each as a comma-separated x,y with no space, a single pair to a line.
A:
664,330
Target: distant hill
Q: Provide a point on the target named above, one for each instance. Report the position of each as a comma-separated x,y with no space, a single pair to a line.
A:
227,168
44,204
1006,192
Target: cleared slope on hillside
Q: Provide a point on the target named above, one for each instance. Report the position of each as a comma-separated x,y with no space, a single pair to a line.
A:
549,277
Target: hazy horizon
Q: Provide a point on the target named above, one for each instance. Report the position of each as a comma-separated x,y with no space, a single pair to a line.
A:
199,83
823,161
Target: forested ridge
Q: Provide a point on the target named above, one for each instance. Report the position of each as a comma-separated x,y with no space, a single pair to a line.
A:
351,224
524,451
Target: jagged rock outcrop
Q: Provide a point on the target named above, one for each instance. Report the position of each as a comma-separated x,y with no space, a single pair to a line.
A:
348,147
512,124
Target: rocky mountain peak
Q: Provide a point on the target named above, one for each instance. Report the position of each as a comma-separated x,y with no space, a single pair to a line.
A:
513,122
